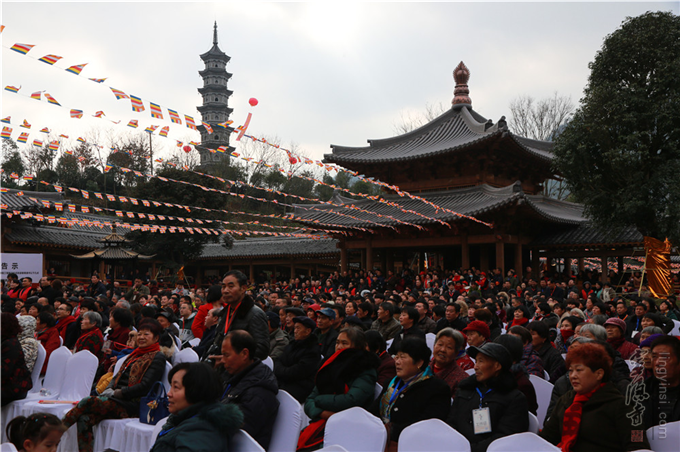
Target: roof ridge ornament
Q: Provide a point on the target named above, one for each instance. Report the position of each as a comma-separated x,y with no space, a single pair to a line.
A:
461,75
215,34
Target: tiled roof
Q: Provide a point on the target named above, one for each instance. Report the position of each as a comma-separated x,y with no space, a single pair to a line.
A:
112,253
55,236
472,201
24,202
456,129
587,234
272,247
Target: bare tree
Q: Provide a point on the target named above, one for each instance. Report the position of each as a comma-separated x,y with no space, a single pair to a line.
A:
409,121
190,160
540,119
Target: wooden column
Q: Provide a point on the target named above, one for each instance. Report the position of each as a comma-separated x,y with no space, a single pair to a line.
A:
581,265
500,256
464,251
251,271
535,264
343,260
369,254
518,260
567,266
603,263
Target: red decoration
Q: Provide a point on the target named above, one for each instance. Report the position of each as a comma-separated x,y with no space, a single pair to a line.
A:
187,149
292,160
252,101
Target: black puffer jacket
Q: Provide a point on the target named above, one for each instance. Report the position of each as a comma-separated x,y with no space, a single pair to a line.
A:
249,318
296,367
254,391
507,405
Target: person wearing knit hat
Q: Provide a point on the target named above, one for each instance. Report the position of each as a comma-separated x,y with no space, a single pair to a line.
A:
616,330
477,333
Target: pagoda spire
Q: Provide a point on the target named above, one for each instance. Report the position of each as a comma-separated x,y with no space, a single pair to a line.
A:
215,34
461,93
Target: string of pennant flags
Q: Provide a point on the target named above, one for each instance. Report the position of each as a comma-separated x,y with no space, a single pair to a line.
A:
137,105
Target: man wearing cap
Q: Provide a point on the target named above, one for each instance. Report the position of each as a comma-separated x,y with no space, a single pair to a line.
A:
325,332
488,405
291,313
278,339
477,333
616,337
386,324
296,367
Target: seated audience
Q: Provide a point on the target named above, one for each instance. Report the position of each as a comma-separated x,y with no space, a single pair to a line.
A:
593,415
530,359
278,339
375,343
91,337
408,318
48,336
663,404
552,359
197,422
296,367
27,340
616,337
16,379
514,346
493,390
443,364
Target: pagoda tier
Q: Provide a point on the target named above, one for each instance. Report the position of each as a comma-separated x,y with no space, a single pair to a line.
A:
208,71
460,148
215,107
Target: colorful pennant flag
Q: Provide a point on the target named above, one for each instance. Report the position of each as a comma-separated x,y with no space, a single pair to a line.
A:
50,59
137,104
68,152
164,131
207,127
150,129
6,132
133,123
37,143
174,117
190,122
36,95
80,140
22,48
61,135
26,125
13,89
14,176
156,111
225,124
52,100
76,69
28,178
97,80
119,94
107,168
23,138
6,120
99,114
54,145
77,114
45,130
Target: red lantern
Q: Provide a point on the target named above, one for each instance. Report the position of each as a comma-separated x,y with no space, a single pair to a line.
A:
187,149
292,160
252,101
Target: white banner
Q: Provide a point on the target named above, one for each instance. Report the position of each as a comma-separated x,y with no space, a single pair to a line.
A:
23,264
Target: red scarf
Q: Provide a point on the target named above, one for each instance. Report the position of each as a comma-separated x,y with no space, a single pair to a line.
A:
566,334
139,351
572,419
519,322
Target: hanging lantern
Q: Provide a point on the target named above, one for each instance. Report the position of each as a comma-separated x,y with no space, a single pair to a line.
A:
252,101
187,149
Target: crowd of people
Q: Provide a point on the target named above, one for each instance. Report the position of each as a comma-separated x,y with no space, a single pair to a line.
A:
328,341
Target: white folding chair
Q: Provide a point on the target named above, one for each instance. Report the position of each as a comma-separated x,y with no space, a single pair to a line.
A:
37,367
377,391
388,344
676,328
7,447
521,442
166,383
429,340
61,341
140,437
157,429
195,341
185,356
269,362
243,442
69,440
286,429
533,423
432,435
546,375
543,390
78,378
54,378
470,371
356,430
665,438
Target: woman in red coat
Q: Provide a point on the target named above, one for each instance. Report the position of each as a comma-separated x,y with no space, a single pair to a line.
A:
47,334
91,337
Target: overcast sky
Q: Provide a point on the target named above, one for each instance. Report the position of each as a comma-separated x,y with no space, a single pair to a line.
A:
324,73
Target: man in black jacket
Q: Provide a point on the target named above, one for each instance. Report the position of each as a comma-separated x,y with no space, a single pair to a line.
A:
240,313
553,362
296,367
408,318
251,385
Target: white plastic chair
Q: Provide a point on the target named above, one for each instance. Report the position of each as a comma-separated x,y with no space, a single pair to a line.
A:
432,435
286,429
377,391
138,436
470,371
521,442
676,328
37,367
7,447
546,375
665,438
533,424
388,344
69,440
54,377
632,365
78,378
61,341
195,341
185,356
543,390
356,430
269,362
109,432
430,338
243,442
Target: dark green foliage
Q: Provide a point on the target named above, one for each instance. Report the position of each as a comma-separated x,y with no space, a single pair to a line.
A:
621,152
11,163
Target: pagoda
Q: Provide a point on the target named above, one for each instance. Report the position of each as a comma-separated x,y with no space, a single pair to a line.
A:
215,109
465,164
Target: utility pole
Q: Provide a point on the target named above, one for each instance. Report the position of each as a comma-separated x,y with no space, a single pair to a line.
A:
151,153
